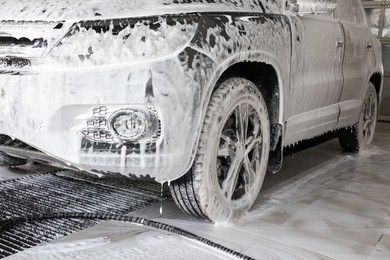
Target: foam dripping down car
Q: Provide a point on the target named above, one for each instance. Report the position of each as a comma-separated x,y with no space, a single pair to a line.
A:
201,94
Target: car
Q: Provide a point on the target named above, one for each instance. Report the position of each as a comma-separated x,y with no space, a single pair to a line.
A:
202,95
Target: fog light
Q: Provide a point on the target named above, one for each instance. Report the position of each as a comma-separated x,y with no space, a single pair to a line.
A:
129,124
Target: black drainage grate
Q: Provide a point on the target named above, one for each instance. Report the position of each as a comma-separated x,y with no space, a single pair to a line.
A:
64,191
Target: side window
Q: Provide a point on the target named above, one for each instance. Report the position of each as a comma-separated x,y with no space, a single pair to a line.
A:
378,17
386,26
350,10
374,19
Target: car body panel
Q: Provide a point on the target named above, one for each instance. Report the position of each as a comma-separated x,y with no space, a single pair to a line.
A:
313,103
358,60
63,80
181,81
76,10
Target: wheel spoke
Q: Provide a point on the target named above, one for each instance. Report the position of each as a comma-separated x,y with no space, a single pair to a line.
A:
230,182
255,132
367,112
371,109
238,151
226,151
368,131
368,117
227,139
241,114
250,174
366,125
252,144
366,134
226,148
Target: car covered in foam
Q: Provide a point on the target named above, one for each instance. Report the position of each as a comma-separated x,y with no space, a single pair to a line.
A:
201,94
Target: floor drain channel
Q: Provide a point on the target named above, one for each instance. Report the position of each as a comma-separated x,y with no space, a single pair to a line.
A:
62,191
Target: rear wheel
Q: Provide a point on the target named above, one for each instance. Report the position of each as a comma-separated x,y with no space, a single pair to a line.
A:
361,134
232,155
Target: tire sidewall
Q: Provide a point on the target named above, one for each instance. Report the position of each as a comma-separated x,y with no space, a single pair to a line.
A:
362,140
218,208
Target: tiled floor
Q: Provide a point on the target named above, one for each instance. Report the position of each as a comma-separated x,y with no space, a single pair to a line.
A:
331,204
324,204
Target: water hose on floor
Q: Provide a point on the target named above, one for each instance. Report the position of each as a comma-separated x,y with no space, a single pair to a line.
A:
9,223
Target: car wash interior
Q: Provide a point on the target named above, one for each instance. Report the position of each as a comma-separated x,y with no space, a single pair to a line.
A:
324,203
378,13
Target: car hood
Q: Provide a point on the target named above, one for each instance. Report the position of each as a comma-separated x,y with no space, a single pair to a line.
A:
60,10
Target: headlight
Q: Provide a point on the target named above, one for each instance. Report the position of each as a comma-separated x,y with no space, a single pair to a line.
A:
96,43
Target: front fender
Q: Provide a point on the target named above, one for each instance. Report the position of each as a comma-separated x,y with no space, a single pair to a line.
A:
224,41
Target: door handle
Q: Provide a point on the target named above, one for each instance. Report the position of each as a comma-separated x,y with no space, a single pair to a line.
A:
340,44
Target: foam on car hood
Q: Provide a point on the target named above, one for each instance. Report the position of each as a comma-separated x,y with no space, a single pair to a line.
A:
43,10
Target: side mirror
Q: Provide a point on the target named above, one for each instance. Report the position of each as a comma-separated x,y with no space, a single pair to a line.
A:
312,6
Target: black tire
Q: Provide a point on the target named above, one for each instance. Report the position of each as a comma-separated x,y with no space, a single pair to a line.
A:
10,161
230,163
360,135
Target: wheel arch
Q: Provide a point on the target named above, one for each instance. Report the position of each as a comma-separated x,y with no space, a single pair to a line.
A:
268,80
377,79
244,65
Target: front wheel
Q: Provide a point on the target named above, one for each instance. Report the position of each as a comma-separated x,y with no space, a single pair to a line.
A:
232,155
362,133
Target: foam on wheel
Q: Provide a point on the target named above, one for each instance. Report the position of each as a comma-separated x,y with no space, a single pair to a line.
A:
360,135
232,155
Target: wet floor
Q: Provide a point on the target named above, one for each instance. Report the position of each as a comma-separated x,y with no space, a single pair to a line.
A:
324,204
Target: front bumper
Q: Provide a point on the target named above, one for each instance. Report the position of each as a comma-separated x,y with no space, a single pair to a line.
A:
46,108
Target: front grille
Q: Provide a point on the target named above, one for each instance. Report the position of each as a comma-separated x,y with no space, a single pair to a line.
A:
28,39
23,42
104,147
14,62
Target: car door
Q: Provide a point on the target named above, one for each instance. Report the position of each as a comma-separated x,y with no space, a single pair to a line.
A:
359,55
316,77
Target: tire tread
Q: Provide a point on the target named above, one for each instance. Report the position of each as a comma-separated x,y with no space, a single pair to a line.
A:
183,189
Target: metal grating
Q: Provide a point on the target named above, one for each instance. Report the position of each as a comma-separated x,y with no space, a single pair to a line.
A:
60,192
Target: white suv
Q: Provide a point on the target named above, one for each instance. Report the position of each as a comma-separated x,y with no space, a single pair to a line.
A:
201,94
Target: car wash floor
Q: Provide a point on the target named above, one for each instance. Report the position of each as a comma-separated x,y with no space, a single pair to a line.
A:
324,204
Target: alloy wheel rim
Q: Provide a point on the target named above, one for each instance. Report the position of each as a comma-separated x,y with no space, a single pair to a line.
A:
239,152
369,118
